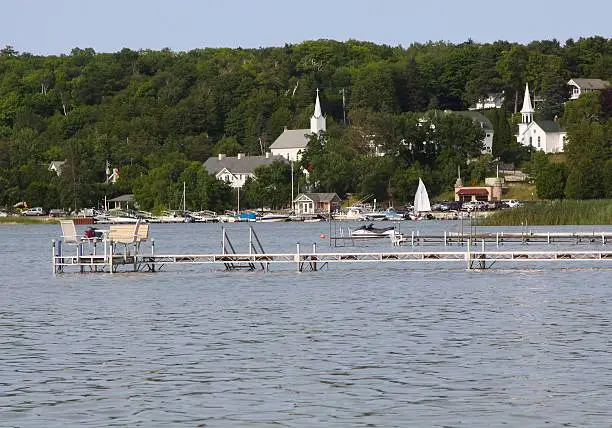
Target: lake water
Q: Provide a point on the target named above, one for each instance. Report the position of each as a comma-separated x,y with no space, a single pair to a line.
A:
367,345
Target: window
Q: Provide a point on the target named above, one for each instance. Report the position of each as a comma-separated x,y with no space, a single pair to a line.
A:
530,141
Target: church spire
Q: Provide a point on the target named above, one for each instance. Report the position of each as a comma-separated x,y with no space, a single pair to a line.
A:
317,121
527,110
317,110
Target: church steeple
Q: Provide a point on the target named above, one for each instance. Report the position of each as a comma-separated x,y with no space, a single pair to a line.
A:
527,110
317,121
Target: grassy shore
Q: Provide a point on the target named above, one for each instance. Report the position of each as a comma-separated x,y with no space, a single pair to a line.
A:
554,213
27,220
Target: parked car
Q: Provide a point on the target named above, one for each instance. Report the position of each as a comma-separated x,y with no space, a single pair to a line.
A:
450,206
34,211
58,212
513,203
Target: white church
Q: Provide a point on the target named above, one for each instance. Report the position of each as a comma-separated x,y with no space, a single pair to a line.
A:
292,142
544,135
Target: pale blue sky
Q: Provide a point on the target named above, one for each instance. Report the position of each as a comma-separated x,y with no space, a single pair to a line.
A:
55,27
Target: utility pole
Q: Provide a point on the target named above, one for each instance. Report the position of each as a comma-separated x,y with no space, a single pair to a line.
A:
343,106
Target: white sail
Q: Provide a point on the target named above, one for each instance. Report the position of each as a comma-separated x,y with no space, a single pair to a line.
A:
421,199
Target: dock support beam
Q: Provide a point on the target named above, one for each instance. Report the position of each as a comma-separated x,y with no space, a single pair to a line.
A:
297,257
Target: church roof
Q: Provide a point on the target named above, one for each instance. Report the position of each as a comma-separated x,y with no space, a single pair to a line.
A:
549,126
527,106
244,165
292,139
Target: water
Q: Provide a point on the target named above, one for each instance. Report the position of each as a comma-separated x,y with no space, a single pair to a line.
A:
367,345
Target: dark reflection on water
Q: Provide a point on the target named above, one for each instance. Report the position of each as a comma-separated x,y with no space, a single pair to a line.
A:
374,346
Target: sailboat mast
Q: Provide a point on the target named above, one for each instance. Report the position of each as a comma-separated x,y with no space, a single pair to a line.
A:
184,205
292,198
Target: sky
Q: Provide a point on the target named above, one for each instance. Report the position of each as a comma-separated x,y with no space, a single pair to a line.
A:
47,28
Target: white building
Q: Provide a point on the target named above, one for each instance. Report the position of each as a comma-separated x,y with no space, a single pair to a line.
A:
292,142
544,135
581,86
235,170
494,100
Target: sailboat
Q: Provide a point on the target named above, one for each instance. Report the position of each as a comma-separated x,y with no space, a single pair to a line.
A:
421,202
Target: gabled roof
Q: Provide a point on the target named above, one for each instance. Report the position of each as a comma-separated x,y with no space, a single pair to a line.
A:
593,84
549,126
56,164
123,198
320,197
244,165
477,117
292,139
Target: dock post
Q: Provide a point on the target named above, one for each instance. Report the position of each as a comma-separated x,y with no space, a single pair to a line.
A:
497,239
223,240
79,255
548,238
111,254
418,237
297,257
412,239
603,238
314,257
445,238
468,254
53,260
250,240
152,255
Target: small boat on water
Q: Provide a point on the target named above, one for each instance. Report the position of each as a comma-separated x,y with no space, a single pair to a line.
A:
273,218
204,216
422,207
392,215
370,230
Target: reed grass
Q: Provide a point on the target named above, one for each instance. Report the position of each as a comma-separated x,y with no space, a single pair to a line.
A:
587,212
27,220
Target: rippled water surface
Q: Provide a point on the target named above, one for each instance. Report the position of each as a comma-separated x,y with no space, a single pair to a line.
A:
370,345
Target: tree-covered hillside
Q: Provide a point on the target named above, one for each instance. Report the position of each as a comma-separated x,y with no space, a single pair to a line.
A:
157,115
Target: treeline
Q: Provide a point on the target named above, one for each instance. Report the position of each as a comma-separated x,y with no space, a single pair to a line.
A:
157,115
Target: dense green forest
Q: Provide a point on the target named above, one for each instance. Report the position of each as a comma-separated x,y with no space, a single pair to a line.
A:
157,115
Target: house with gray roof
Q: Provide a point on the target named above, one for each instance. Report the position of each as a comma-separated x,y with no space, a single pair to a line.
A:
580,86
544,135
234,170
316,203
292,142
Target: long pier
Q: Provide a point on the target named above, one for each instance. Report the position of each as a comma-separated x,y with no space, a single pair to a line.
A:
415,238
313,260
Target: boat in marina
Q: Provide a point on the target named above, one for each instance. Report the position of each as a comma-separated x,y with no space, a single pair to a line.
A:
392,215
204,216
371,230
422,207
273,218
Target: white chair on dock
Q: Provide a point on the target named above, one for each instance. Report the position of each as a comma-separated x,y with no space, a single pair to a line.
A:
69,235
128,235
397,239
